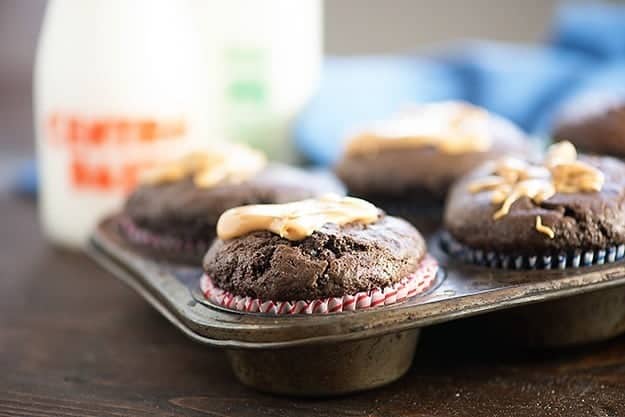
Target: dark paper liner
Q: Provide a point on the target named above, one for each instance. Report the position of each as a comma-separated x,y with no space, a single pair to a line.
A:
409,208
426,216
574,258
412,202
148,239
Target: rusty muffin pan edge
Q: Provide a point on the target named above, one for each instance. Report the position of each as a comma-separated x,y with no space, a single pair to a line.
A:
463,291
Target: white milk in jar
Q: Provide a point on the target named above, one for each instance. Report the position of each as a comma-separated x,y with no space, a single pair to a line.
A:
118,86
265,59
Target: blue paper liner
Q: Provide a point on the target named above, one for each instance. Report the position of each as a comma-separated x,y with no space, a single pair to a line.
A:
574,258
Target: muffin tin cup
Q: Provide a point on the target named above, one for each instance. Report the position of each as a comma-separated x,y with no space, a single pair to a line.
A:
336,353
326,369
580,319
572,321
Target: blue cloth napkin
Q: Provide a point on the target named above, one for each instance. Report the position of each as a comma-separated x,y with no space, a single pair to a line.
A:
526,83
358,90
25,180
594,29
607,81
515,80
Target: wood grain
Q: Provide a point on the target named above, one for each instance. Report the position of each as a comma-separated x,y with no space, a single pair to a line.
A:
76,342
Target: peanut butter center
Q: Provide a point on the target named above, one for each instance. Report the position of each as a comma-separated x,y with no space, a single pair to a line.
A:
298,220
214,166
452,127
560,172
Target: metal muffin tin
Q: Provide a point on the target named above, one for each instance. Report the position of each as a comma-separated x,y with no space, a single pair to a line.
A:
351,351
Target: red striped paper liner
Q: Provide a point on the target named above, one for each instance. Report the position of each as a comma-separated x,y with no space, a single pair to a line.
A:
416,283
145,237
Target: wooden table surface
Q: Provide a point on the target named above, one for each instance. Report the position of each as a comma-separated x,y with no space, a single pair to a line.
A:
76,342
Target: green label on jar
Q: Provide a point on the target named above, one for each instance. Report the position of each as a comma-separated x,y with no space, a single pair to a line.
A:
247,110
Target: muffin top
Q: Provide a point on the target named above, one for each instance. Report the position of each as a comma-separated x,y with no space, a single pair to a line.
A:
594,123
312,249
185,198
425,147
561,203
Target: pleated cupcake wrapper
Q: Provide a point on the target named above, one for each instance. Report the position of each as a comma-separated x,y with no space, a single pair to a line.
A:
575,258
146,238
417,283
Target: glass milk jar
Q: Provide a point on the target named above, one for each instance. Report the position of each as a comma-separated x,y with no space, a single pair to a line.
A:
264,63
118,87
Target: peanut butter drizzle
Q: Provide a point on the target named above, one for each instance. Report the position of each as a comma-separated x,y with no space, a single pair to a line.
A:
544,229
560,172
298,220
453,127
217,165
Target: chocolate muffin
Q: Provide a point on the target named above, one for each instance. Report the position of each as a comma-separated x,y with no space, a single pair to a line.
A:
172,215
322,255
407,164
594,123
564,211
